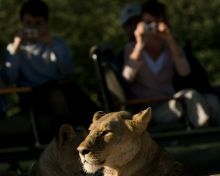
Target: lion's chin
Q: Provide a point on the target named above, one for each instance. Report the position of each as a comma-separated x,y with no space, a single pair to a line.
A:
90,168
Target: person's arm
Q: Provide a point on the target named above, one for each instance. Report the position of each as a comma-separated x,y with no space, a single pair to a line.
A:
133,54
11,64
181,64
131,66
140,36
11,58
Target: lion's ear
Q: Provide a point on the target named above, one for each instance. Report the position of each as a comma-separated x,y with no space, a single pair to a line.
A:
140,121
97,115
66,134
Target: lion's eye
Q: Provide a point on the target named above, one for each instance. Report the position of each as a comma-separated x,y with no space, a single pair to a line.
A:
106,132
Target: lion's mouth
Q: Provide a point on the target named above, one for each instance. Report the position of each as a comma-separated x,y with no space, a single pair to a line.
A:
92,166
93,162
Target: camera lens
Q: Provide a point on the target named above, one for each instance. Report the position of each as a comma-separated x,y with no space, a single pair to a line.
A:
151,27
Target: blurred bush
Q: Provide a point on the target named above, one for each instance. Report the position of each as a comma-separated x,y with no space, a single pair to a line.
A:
86,23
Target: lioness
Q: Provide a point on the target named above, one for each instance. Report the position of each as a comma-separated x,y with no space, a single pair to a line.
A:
119,143
60,157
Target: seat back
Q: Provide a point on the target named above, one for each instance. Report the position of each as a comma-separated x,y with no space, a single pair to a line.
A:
115,93
114,90
114,85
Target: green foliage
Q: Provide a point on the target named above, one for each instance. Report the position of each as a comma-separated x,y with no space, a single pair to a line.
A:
199,23
86,23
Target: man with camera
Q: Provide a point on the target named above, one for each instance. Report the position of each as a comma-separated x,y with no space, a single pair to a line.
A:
39,60
152,62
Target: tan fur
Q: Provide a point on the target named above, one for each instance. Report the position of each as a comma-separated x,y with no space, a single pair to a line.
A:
119,143
60,157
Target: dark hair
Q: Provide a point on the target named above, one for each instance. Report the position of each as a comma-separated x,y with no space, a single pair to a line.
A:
34,8
155,8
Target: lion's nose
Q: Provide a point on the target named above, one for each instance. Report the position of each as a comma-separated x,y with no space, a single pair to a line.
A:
83,150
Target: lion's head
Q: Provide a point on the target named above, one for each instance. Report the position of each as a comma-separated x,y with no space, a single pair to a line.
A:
114,139
60,157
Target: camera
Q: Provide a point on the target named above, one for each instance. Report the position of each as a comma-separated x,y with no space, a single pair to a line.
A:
151,27
31,33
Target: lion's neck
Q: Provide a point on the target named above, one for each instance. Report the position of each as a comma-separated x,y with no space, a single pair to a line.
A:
140,162
150,160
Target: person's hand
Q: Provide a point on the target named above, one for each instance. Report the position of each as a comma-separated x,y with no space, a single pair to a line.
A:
165,33
141,39
143,34
18,39
140,35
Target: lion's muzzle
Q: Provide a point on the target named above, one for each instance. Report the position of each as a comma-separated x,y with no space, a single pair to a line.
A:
90,164
83,150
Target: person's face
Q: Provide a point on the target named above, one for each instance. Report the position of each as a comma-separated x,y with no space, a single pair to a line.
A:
148,19
35,25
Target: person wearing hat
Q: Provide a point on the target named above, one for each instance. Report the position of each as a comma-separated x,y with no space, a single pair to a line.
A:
37,59
129,17
152,64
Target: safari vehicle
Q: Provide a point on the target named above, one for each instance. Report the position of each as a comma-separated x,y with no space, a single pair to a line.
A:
198,149
23,137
